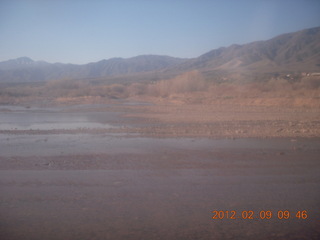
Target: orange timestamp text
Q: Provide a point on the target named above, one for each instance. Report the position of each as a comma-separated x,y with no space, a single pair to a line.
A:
264,214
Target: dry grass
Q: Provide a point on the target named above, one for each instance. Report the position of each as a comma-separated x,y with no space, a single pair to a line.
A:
186,83
188,88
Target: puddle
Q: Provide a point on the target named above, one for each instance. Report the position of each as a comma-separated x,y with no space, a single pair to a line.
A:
39,119
53,126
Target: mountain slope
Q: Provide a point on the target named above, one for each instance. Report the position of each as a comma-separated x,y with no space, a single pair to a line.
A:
119,66
21,63
288,53
292,52
26,70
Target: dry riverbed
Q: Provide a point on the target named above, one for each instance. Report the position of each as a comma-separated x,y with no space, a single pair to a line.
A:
172,120
137,171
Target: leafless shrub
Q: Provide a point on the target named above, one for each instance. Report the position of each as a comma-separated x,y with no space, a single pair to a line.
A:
187,82
117,91
63,84
310,82
99,91
66,88
135,89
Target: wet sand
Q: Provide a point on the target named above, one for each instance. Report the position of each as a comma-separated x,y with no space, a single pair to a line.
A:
90,184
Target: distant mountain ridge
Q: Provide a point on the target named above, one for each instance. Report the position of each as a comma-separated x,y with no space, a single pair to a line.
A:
22,62
25,69
299,51
143,63
291,52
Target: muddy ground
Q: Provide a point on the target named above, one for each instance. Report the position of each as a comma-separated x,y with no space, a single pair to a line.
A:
185,120
159,172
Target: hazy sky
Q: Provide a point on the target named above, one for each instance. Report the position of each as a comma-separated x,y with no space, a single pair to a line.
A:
82,31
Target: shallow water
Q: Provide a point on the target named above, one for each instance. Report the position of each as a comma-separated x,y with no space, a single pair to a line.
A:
113,186
38,119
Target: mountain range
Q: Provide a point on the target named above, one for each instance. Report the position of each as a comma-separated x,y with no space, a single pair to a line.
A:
288,53
25,69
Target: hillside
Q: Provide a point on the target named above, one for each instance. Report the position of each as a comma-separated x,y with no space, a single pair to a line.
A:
26,70
291,53
288,53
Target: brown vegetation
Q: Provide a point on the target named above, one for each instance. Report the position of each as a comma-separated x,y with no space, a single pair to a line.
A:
186,83
192,105
190,88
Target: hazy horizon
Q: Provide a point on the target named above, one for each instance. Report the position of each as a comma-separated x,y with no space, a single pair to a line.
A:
81,32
